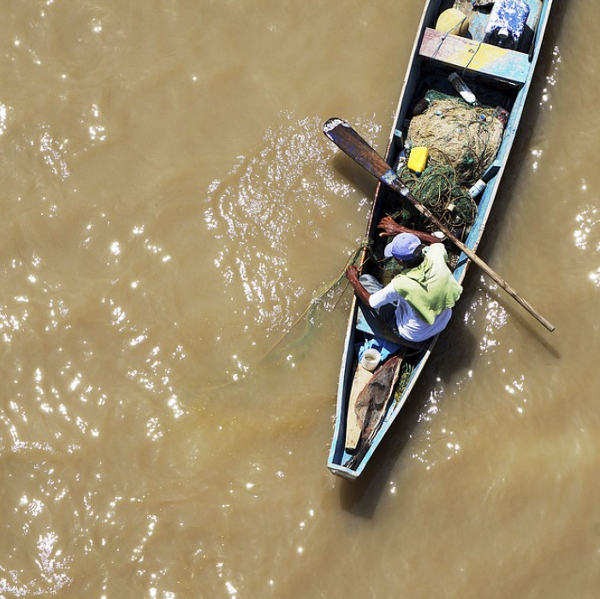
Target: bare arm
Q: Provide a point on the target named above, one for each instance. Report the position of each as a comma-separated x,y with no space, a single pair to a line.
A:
390,228
352,276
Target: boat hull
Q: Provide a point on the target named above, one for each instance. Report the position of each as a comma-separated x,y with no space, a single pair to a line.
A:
514,87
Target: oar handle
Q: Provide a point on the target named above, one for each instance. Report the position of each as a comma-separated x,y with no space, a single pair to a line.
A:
348,140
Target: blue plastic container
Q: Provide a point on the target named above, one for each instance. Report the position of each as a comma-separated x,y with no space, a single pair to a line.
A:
507,23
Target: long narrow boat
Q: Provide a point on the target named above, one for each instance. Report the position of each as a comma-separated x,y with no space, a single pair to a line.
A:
493,47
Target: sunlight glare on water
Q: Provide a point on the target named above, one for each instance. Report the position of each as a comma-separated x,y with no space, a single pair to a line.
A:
170,209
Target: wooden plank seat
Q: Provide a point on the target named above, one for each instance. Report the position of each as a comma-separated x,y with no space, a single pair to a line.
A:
475,57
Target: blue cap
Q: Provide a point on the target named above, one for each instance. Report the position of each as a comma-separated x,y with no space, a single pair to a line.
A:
402,247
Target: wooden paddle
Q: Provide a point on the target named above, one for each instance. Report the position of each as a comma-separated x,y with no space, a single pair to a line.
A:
350,142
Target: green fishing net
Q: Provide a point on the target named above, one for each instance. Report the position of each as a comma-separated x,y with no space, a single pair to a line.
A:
465,136
463,141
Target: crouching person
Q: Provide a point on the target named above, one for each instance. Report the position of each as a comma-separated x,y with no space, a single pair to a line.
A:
417,304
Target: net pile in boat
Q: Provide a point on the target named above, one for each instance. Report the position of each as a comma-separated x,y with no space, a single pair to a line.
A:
466,137
439,189
463,141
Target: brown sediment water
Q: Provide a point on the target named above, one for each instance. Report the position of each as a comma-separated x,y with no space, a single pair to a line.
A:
170,205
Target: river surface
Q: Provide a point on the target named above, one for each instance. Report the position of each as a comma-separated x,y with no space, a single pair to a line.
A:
170,208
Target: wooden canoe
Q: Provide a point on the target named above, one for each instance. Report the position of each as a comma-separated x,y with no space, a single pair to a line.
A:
502,75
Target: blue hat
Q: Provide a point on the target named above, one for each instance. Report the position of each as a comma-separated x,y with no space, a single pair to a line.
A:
402,247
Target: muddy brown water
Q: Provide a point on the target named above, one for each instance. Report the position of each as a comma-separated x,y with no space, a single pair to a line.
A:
170,206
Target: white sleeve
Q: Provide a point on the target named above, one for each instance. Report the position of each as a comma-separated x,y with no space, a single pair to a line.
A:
384,296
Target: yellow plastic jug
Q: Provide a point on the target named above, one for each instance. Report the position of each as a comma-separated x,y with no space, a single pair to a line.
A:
418,159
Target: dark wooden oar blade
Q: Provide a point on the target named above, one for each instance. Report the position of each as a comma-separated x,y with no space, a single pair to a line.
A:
352,144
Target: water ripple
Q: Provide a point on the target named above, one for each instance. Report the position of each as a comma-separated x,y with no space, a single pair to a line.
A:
281,196
587,238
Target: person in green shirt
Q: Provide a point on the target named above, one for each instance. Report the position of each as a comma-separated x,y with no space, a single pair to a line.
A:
417,304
